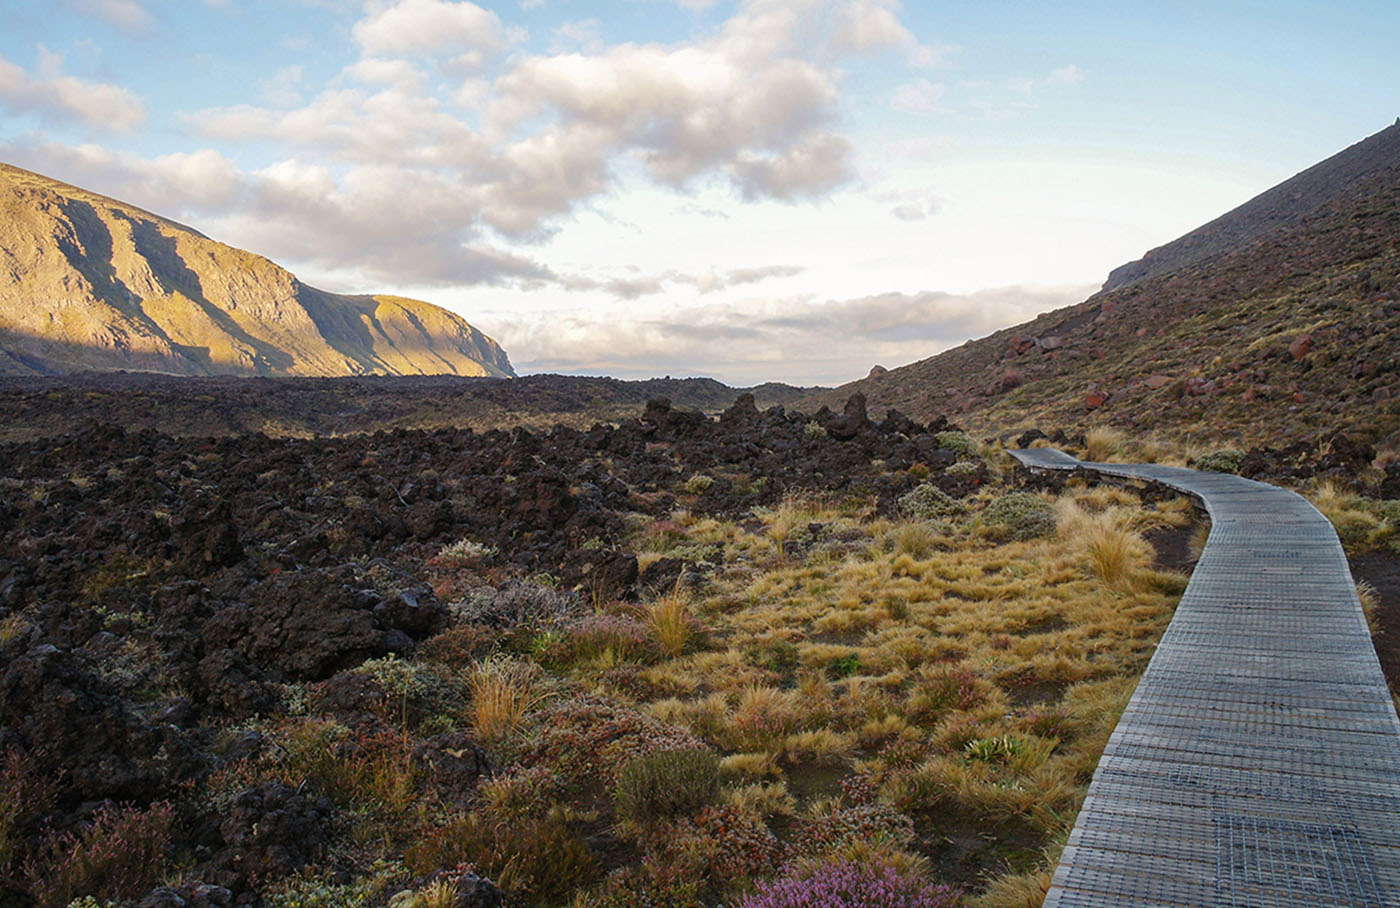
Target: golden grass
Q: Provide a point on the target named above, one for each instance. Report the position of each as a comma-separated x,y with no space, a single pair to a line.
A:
914,640
1101,443
503,690
671,622
1017,890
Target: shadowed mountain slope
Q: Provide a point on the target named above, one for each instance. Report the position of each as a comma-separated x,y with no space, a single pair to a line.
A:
1276,321
91,283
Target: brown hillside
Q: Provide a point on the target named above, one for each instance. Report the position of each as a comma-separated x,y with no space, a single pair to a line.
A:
1279,320
90,283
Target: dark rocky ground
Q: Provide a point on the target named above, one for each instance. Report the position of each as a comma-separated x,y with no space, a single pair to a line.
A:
158,591
307,407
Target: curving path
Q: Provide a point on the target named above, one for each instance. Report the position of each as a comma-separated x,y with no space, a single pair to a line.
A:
1258,762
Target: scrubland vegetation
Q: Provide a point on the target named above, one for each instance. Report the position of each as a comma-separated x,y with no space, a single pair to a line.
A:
880,686
916,700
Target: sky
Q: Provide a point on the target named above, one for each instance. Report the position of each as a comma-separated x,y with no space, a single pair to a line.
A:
754,190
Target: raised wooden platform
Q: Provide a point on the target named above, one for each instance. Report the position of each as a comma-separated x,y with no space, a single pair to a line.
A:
1258,763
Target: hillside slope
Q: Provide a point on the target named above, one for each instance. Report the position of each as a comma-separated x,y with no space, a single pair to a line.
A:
91,283
1276,321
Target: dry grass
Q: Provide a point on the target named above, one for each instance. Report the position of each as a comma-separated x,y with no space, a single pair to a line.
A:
948,672
503,690
671,622
1101,443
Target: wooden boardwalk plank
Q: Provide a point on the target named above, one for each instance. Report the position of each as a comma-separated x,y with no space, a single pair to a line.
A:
1257,764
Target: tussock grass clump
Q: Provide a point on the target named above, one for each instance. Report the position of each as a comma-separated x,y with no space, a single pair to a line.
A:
1101,443
916,539
1112,551
666,784
926,501
1017,890
671,622
503,690
1020,516
540,861
1361,524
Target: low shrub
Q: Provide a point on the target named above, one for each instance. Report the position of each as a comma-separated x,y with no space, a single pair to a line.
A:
519,602
815,431
927,500
1224,461
959,443
25,795
610,639
843,666
965,468
120,856
538,862
699,483
847,884
1019,515
465,551
724,844
665,784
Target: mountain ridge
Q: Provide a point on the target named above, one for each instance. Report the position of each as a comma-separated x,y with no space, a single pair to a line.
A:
1271,323
119,287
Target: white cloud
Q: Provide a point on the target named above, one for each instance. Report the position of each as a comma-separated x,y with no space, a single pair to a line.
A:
754,103
53,96
584,35
801,341
867,25
910,204
401,167
126,14
638,285
283,89
1065,75
431,26
401,75
919,97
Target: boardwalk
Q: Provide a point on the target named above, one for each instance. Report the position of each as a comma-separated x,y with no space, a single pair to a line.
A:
1258,762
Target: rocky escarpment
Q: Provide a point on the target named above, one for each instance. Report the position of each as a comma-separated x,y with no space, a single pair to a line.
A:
90,283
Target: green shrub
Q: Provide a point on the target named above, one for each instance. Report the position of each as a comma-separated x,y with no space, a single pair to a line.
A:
666,784
1019,515
1226,461
698,483
927,500
815,431
843,667
996,749
964,468
959,443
